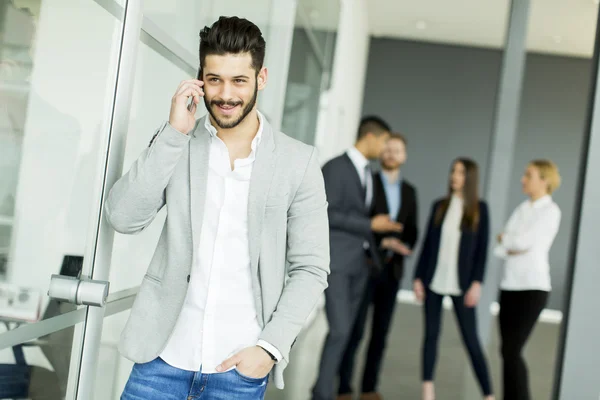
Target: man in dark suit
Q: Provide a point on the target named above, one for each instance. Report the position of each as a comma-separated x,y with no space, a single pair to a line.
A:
393,195
349,187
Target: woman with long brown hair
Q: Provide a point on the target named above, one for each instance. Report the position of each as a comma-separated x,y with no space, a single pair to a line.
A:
452,263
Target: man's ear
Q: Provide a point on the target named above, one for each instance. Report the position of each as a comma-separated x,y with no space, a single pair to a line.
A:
261,79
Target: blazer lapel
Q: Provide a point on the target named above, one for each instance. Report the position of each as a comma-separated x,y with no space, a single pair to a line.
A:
199,157
380,197
403,202
260,182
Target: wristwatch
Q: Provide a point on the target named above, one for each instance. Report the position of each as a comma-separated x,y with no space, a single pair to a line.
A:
269,353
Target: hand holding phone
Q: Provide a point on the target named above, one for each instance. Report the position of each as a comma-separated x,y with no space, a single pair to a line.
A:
182,116
192,103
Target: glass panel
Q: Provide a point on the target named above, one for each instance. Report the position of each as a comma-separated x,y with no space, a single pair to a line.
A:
112,370
179,19
321,18
552,123
155,82
43,370
257,11
56,77
184,19
310,66
303,89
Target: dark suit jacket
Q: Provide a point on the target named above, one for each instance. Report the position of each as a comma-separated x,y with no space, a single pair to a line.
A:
349,217
472,253
407,216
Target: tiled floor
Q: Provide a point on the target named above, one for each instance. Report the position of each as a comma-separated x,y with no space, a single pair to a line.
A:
400,375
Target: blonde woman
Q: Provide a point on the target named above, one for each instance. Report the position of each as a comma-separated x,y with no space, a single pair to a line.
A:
525,244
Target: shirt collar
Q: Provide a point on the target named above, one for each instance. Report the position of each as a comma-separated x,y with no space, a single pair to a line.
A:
542,201
385,180
455,199
357,158
255,142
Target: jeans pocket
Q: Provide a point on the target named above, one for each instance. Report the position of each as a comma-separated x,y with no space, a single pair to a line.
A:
249,379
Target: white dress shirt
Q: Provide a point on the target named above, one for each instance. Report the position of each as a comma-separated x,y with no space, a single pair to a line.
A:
219,316
531,228
366,179
445,279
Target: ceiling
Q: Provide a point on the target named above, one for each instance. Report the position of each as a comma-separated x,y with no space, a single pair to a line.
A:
563,27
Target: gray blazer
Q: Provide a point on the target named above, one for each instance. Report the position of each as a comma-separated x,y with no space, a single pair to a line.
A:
287,225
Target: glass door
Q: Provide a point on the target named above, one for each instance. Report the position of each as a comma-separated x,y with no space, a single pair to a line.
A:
60,62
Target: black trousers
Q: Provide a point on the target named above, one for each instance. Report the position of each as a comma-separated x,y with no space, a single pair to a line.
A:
342,302
381,292
467,321
519,311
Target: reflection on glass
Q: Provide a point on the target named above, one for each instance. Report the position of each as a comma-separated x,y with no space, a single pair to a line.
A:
310,66
320,19
55,75
156,80
182,20
38,369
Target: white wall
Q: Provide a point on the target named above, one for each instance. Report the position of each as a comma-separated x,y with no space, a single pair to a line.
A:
340,110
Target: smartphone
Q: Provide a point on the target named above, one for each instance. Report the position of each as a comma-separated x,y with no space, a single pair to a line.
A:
199,77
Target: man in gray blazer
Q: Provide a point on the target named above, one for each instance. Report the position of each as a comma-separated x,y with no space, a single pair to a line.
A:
244,253
349,187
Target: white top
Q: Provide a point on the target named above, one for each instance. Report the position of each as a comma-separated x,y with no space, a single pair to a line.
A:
445,279
531,228
219,316
360,163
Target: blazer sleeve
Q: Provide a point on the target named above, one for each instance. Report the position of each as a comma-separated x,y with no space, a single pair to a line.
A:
339,218
481,249
138,196
426,248
308,259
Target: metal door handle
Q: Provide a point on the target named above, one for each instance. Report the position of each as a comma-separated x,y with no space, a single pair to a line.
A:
78,291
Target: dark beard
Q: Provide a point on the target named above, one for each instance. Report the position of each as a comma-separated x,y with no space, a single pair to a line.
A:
236,122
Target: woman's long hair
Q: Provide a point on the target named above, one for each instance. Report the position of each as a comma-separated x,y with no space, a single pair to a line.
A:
470,218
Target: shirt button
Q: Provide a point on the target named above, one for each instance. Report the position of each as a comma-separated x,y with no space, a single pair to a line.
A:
188,279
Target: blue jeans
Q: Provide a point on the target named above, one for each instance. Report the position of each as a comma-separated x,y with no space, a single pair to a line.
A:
157,380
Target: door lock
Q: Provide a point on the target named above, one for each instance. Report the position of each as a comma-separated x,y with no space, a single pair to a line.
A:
78,291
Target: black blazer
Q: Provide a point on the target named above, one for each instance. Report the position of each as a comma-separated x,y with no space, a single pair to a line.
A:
349,217
472,254
407,216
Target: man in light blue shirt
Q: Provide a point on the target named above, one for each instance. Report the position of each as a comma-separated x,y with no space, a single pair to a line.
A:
395,197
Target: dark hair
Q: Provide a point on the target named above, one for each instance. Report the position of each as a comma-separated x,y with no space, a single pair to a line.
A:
471,196
372,124
233,35
398,136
